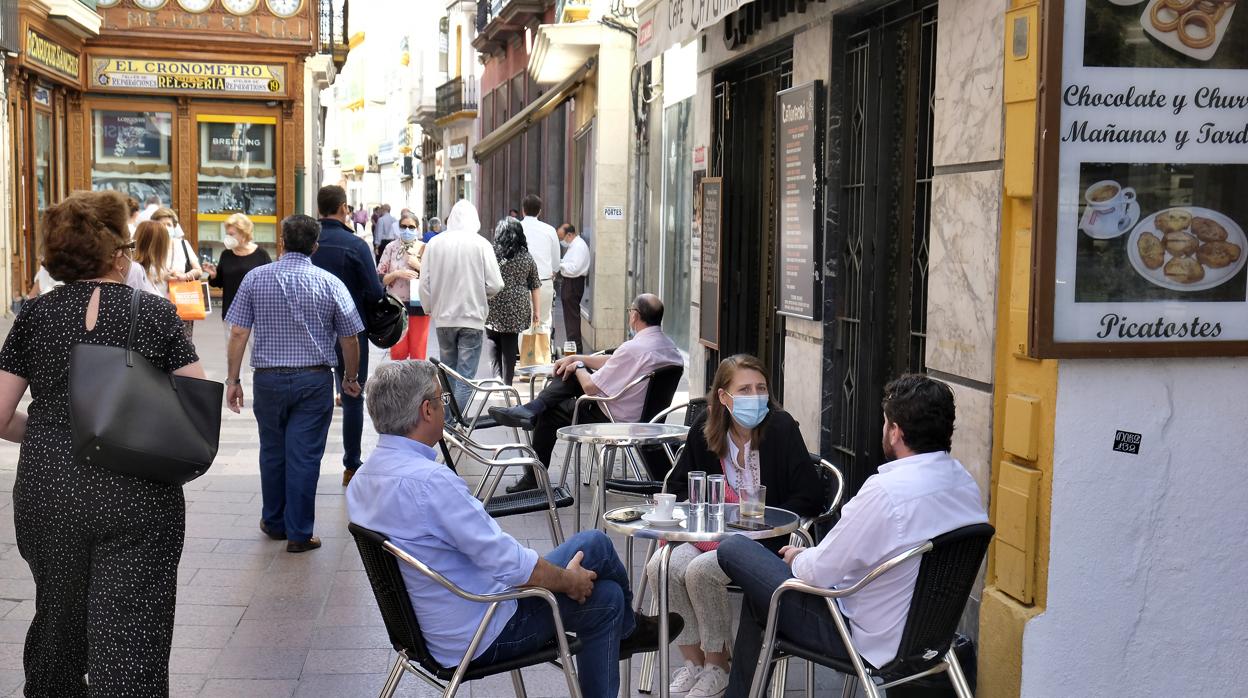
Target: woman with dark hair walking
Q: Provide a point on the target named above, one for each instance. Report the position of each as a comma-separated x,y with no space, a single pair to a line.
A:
514,309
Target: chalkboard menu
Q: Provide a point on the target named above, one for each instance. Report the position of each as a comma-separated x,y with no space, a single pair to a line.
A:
798,118
712,210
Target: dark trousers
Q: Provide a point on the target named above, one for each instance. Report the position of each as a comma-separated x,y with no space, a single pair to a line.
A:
504,353
570,296
600,623
293,412
803,618
558,400
352,407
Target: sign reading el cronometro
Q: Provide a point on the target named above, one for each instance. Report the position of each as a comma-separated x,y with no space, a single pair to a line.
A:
161,75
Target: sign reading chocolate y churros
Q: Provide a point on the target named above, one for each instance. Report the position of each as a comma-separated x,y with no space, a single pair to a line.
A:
1141,206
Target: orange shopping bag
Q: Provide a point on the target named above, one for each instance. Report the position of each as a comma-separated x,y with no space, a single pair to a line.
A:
189,299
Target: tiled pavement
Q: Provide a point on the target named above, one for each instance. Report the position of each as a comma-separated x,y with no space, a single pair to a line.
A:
253,620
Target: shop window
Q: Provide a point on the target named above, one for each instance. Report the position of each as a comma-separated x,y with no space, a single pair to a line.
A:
43,170
677,216
236,174
130,153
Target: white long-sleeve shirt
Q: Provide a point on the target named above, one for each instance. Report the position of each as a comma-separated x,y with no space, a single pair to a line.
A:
459,273
909,501
575,261
543,245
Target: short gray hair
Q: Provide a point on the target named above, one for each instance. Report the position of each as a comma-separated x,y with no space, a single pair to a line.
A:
396,391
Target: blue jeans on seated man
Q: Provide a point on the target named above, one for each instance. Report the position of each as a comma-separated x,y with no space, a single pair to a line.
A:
293,412
600,623
803,618
352,407
460,349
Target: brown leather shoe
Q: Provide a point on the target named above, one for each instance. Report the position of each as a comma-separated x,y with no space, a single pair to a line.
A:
271,534
346,477
303,546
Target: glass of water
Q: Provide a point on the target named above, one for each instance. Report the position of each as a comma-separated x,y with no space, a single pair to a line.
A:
569,348
697,491
715,485
753,501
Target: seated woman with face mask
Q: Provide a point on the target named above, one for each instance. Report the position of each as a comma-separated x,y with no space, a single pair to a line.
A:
751,441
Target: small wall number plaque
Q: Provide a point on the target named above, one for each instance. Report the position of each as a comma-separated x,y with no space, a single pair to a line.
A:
1127,442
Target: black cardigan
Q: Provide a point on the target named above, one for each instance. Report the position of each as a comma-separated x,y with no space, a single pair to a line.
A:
784,467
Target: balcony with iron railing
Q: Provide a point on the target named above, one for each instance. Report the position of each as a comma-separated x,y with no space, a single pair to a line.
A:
499,21
333,30
457,96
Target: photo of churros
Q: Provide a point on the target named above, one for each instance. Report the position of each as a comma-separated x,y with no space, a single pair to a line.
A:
1192,27
1201,34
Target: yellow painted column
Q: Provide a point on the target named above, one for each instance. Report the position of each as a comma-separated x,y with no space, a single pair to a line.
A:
1026,388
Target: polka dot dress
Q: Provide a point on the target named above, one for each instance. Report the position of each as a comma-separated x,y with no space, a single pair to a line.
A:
103,548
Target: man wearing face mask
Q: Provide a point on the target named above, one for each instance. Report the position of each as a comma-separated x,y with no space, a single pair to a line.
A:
573,269
578,375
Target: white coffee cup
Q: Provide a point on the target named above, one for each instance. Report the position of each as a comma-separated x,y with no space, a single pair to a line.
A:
664,505
1110,203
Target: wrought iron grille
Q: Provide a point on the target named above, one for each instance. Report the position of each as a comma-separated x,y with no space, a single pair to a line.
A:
456,95
332,17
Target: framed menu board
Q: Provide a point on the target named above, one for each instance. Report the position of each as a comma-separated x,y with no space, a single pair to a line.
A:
799,114
1140,240
712,197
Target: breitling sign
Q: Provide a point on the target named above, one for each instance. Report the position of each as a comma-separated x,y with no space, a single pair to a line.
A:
155,75
225,25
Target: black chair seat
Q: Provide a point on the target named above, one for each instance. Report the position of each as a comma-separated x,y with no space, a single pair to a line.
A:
792,649
641,488
484,422
527,502
478,670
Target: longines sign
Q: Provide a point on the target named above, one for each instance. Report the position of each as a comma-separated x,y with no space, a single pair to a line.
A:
156,75
51,55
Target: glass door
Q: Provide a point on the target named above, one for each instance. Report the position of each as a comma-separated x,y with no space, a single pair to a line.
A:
677,217
42,163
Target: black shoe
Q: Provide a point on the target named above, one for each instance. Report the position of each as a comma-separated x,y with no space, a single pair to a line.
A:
645,637
520,416
304,546
528,482
271,534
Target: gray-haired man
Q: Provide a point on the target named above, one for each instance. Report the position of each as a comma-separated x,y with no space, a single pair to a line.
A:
426,510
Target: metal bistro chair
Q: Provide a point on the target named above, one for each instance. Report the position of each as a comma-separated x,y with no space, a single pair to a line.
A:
544,498
479,394
661,387
947,570
833,482
381,562
658,459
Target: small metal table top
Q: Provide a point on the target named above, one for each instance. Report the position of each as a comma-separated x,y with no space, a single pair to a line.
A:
624,434
536,370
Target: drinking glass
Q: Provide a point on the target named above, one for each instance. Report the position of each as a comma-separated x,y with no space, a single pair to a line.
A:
715,485
569,348
753,501
697,491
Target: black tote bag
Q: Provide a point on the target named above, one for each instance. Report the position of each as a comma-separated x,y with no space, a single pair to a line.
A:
130,417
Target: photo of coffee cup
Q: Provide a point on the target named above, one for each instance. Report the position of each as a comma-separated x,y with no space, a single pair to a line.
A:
1111,209
1107,194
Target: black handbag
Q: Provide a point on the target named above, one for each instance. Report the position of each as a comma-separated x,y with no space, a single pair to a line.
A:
132,418
386,321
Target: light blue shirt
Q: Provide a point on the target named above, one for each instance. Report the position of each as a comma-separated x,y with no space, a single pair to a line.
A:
427,511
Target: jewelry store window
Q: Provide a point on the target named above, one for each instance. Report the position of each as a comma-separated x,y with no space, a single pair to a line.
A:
131,153
236,174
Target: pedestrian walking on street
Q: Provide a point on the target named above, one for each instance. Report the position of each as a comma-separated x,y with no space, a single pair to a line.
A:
459,274
544,246
240,256
514,309
347,257
103,547
182,261
151,253
573,269
384,230
298,313
434,226
399,269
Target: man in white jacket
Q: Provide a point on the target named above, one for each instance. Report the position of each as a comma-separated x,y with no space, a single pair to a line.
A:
458,276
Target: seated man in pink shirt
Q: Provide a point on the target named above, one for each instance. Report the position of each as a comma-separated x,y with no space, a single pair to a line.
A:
648,350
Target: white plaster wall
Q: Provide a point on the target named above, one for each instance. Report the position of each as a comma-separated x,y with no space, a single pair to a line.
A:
1147,563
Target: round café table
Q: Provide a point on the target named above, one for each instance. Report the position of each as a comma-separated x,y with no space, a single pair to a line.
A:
610,438
533,372
691,528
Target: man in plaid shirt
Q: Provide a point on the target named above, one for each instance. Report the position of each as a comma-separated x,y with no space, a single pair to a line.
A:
298,312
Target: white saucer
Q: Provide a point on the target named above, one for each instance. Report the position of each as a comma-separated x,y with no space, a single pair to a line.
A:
1133,216
653,520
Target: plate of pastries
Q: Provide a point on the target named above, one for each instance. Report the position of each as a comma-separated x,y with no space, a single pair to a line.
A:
1187,248
1192,27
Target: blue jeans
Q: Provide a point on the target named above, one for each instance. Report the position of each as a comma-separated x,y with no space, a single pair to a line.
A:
352,407
460,349
293,411
802,617
600,623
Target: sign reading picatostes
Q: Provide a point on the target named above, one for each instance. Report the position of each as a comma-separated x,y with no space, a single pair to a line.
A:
1142,241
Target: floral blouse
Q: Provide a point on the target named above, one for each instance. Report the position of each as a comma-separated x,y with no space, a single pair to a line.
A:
512,309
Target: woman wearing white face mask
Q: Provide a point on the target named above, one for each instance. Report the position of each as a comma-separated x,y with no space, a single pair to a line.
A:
399,268
751,441
240,256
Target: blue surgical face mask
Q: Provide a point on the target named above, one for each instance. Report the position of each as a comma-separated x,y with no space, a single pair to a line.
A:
409,235
749,410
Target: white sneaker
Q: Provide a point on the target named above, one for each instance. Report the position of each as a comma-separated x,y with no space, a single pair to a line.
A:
711,684
685,678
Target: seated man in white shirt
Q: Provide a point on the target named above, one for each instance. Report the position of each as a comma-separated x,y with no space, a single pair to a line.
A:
426,510
919,494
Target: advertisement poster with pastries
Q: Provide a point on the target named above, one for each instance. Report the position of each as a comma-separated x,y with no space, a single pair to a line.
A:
1166,34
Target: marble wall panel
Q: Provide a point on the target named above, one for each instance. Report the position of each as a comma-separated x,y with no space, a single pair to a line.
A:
962,279
803,372
970,56
972,434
